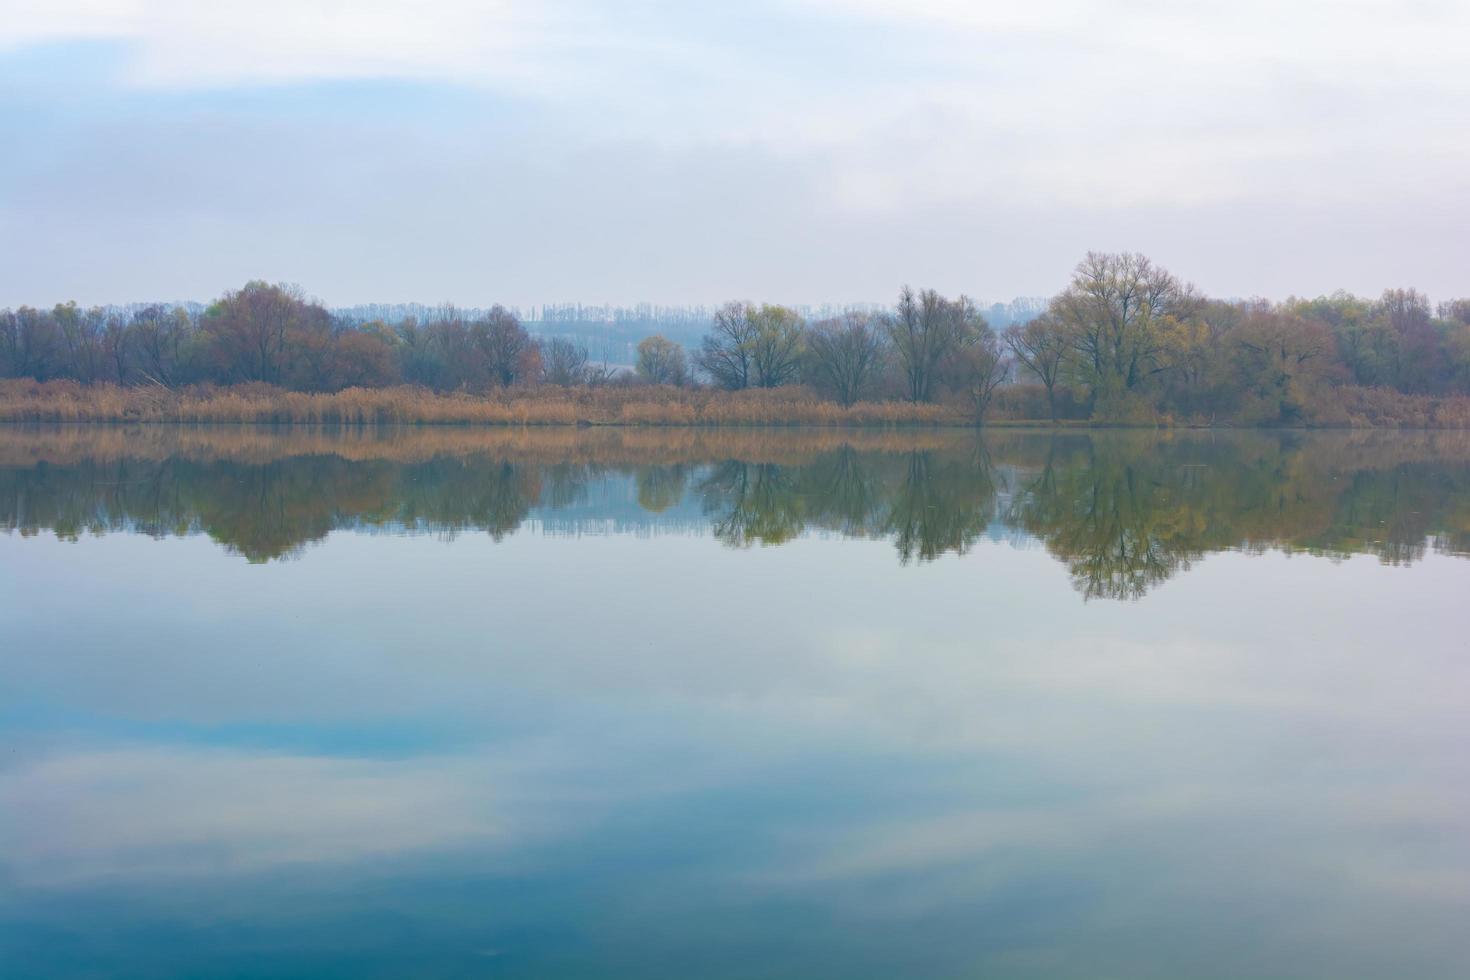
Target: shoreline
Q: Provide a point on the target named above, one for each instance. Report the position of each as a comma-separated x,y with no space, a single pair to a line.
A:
1068,425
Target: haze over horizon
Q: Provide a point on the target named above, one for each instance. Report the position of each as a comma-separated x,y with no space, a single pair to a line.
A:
801,151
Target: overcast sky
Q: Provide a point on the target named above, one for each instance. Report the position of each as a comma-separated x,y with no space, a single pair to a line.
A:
532,151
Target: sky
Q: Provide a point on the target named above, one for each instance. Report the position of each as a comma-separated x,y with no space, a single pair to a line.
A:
799,151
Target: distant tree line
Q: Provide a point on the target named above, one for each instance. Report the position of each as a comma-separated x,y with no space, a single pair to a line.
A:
618,329
1124,341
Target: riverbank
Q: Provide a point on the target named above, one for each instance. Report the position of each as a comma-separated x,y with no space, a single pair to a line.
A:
27,401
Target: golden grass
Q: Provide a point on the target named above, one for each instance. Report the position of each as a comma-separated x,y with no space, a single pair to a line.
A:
23,400
1390,409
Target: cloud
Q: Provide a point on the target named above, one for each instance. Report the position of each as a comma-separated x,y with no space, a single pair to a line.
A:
179,43
174,810
820,150
1238,33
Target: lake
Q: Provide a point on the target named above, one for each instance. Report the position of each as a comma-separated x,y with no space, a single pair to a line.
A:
683,703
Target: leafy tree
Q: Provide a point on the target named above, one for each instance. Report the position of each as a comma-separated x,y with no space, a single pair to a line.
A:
364,358
1419,361
662,362
1365,340
1278,354
1457,354
1114,310
776,346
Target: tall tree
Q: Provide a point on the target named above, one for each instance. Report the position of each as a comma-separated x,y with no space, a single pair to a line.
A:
1113,310
165,344
1365,339
1278,353
844,355
1041,347
1419,365
249,330
563,362
81,337
116,345
1456,310
364,357
662,362
982,368
776,346
506,348
726,352
925,329
30,344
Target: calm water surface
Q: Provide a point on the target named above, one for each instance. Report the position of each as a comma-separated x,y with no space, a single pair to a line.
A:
802,704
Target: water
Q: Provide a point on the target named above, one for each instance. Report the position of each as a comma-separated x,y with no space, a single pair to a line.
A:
641,703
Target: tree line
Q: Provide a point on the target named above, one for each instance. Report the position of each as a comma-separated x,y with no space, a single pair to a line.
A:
1124,341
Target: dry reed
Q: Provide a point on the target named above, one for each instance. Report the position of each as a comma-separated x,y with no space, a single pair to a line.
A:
23,400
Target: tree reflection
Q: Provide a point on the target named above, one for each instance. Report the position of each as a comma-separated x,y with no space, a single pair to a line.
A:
942,505
1124,511
752,503
1120,529
661,487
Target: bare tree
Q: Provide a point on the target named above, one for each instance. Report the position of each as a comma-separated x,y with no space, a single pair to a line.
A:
726,352
845,354
925,330
509,354
563,362
117,346
985,369
1457,310
1041,347
164,341
81,336
249,329
29,343
602,372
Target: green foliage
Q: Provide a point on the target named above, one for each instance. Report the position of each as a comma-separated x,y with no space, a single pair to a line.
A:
662,362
